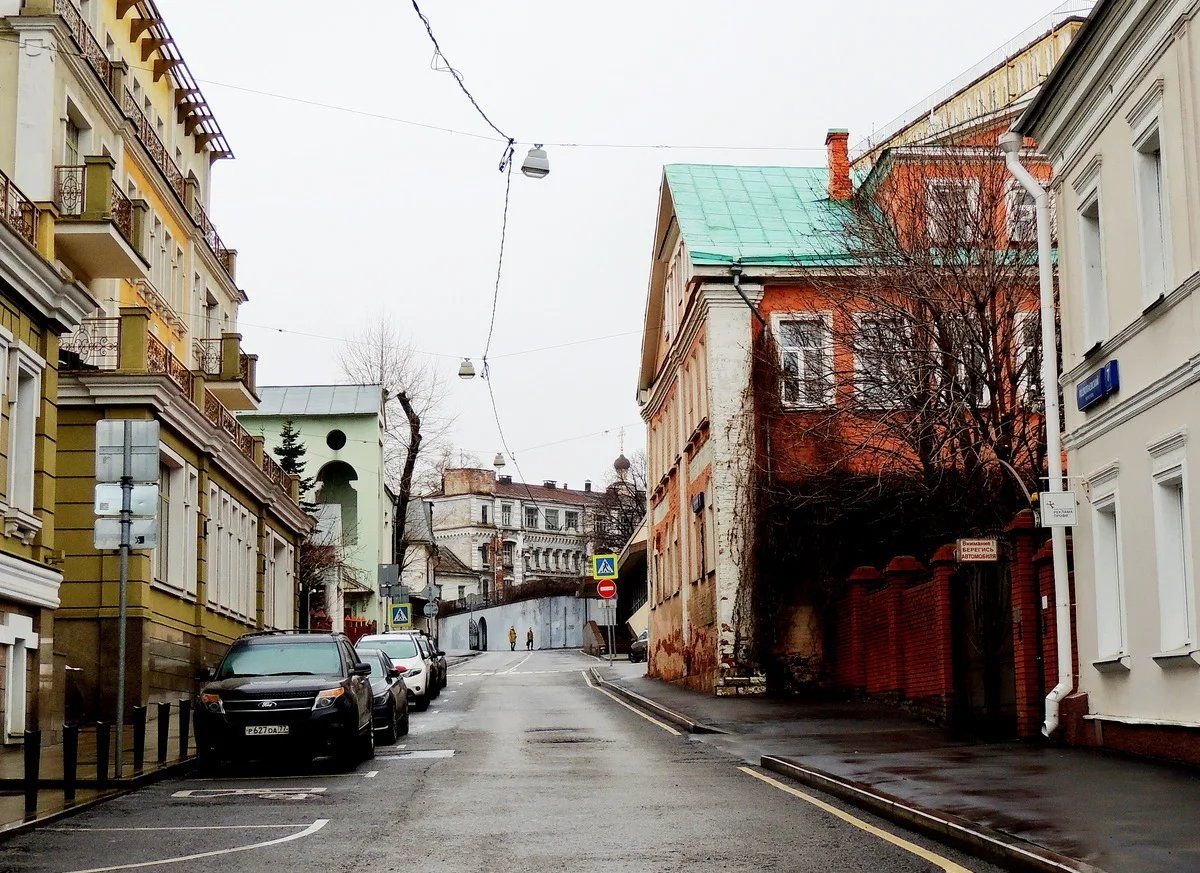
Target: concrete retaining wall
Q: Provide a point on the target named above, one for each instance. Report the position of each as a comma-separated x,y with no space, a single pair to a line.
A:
557,623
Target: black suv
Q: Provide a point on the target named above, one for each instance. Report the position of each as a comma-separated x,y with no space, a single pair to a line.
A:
276,693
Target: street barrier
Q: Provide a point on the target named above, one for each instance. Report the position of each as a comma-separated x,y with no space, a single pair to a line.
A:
70,762
33,771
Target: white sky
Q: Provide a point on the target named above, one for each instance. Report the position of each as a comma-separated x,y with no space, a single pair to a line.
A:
339,217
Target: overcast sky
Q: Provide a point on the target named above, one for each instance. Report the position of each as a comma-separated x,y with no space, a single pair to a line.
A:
340,217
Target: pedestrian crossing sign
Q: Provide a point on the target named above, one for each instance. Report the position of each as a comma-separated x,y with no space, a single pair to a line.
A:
604,567
401,615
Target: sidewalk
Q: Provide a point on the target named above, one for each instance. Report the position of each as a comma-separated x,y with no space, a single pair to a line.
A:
1120,815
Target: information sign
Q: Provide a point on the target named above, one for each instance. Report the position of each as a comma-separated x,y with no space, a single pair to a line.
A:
978,551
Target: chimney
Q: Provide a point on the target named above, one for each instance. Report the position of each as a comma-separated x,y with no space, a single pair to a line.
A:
587,485
506,480
550,483
837,144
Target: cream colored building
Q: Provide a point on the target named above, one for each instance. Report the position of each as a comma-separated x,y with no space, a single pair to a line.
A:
1120,118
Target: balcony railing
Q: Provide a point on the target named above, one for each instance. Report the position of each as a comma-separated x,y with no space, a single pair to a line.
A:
154,145
216,413
68,188
122,212
160,359
154,299
72,197
95,345
274,472
18,211
211,237
208,355
89,46
223,362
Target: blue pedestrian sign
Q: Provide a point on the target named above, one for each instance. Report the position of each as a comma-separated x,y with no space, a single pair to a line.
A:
401,615
604,567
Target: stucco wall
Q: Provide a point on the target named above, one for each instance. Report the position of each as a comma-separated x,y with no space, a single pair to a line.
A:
557,623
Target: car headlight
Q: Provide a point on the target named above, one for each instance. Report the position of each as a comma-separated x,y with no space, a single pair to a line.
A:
212,702
381,698
326,698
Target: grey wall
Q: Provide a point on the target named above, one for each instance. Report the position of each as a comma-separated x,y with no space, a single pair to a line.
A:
557,623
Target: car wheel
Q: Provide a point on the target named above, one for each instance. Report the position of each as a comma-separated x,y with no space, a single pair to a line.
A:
421,703
390,733
404,723
436,689
367,744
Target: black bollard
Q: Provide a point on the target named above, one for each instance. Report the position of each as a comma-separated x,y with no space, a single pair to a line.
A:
185,718
70,761
164,731
33,771
139,738
102,737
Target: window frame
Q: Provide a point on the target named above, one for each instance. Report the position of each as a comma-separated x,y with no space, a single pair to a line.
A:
22,361
1168,473
1149,160
1093,276
933,229
1105,499
825,318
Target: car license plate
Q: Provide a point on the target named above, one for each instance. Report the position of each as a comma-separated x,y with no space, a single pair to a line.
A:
267,730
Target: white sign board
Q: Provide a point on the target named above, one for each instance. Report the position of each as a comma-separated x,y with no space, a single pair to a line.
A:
143,534
110,450
974,551
143,500
1057,508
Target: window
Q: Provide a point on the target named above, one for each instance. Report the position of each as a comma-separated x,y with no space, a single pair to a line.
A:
508,554
879,360
178,523
17,639
484,557
1022,215
1095,298
462,591
336,440
952,212
72,153
162,554
278,600
573,521
806,360
1152,213
1109,576
551,519
483,513
531,517
1028,336
1172,545
25,393
232,554
506,514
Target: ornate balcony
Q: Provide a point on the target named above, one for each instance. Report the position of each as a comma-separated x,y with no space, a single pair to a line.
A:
18,211
99,229
231,374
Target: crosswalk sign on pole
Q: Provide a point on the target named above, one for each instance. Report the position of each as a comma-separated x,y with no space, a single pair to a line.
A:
401,615
604,567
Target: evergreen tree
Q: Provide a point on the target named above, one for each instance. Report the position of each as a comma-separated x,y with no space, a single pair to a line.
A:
291,452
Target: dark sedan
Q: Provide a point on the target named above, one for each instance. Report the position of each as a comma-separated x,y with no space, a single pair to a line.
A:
389,697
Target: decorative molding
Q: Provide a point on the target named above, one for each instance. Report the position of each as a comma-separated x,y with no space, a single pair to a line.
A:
1117,664
1088,177
29,583
1148,102
1172,442
1149,397
1104,476
1187,656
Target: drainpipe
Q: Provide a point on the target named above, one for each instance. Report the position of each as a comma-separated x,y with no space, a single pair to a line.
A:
1010,144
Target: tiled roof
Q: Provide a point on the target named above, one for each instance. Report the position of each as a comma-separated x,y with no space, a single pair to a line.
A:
521,491
319,400
449,563
757,215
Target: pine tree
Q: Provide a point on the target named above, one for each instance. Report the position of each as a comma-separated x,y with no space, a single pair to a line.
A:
291,452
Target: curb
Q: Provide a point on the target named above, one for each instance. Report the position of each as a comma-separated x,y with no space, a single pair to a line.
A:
677,719
1010,852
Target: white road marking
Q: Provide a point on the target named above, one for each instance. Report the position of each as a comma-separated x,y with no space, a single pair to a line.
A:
370,774
633,709
264,793
242,827
518,664
933,858
307,832
418,753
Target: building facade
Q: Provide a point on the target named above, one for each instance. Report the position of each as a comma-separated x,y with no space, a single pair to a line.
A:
341,427
107,128
1118,118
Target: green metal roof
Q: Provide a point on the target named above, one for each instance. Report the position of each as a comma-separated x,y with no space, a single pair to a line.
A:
757,215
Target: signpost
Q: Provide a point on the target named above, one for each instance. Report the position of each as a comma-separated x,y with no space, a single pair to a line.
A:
604,566
978,551
606,588
127,470
401,616
1057,509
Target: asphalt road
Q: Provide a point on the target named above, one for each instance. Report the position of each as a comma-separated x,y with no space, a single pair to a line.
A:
521,765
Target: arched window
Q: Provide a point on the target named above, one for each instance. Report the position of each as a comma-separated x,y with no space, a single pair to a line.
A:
335,488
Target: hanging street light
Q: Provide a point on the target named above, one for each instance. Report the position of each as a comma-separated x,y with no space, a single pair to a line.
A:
537,164
466,370
499,461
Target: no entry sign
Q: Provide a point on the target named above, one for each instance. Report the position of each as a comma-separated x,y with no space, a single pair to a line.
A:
606,588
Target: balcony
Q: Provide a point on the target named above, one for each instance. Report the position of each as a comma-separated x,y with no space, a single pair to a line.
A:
99,229
231,374
18,212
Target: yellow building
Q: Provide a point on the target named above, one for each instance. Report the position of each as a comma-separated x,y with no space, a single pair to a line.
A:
106,130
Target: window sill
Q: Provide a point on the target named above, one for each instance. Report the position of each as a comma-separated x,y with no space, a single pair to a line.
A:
1184,657
1094,351
189,596
21,524
1114,664
1154,306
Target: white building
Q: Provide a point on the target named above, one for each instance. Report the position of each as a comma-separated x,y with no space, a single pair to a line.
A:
510,533
1120,118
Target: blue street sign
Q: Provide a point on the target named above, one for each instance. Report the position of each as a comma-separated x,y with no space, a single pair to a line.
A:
401,614
1098,386
604,566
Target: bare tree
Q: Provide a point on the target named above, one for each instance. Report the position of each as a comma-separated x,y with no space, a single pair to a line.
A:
620,507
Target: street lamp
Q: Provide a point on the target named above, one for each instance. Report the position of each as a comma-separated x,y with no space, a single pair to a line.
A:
466,370
537,164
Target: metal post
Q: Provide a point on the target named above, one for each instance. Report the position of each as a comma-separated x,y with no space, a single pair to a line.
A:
123,595
70,761
185,715
102,753
139,738
611,612
33,768
164,731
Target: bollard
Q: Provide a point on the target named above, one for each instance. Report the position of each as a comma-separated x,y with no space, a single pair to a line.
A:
33,771
164,731
185,713
102,737
70,761
139,738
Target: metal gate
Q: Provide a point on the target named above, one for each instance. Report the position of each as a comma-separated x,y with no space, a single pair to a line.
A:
473,636
984,667
482,634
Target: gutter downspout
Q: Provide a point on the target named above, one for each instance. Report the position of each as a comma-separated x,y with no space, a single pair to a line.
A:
1010,144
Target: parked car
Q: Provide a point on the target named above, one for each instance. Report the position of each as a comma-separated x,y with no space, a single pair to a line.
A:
389,695
637,649
406,655
437,661
278,693
442,665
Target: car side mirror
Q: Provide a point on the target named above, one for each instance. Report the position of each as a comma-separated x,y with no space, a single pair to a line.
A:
393,673
362,668
440,652
204,674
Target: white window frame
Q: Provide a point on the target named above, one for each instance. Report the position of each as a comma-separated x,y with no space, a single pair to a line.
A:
25,367
18,637
933,229
1154,219
1014,204
1175,585
778,320
1021,355
879,401
1105,499
1093,280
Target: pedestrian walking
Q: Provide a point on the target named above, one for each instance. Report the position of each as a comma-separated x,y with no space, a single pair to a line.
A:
529,640
512,637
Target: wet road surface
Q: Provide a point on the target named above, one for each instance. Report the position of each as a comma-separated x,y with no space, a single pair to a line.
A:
521,765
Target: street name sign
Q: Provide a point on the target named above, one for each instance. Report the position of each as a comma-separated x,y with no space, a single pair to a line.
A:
401,615
606,588
604,566
978,551
1057,509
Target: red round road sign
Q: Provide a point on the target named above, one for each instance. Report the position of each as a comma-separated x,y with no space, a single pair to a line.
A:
606,588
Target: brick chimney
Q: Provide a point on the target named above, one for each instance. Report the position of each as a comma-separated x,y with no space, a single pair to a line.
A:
837,144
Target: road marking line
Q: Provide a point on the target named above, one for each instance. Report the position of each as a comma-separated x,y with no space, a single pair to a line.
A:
417,753
518,664
307,832
370,774
264,793
243,827
933,858
633,709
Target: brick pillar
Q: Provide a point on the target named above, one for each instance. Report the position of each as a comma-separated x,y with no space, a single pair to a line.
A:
1043,562
944,563
1026,602
901,572
853,648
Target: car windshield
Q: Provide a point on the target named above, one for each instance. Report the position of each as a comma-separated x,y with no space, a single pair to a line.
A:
398,648
282,659
372,657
